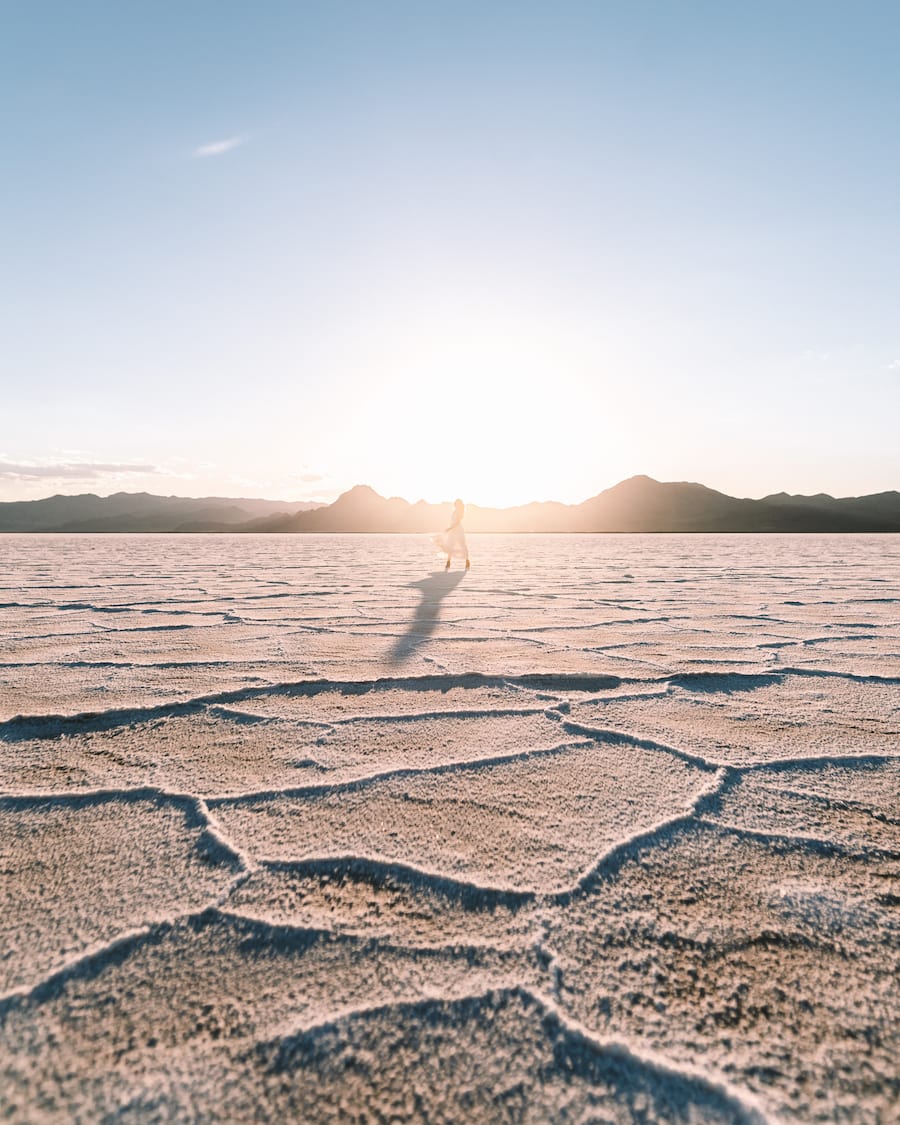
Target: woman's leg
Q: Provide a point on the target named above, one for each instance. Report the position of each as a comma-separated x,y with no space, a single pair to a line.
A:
447,567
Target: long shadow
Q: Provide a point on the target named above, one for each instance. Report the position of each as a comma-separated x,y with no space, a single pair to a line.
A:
424,621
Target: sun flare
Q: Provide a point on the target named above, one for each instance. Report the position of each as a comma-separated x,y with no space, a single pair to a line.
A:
481,406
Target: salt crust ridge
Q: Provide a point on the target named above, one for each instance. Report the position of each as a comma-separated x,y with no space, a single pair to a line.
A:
745,1110
25,726
742,1107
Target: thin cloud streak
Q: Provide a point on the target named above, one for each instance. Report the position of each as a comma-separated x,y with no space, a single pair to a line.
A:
217,148
70,470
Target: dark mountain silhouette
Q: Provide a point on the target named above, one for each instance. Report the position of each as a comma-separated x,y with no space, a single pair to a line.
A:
137,511
639,504
878,506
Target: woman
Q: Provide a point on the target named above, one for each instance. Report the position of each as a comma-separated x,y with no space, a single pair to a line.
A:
453,539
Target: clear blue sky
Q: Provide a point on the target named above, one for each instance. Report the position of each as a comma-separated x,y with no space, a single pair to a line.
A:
508,251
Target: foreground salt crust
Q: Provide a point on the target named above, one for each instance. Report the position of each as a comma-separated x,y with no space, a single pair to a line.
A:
606,829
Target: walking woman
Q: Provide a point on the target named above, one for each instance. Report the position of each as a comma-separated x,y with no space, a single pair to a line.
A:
453,539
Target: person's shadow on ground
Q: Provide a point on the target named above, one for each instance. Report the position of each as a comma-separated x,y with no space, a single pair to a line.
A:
424,621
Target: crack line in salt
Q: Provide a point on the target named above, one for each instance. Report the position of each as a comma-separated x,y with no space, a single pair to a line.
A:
798,839
745,1107
355,783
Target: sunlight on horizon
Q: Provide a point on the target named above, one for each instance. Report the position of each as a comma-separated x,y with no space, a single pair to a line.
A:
480,403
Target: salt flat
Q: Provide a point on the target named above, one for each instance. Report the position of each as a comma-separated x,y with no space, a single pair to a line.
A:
605,829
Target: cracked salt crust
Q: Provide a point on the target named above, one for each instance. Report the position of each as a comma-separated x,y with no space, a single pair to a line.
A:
282,836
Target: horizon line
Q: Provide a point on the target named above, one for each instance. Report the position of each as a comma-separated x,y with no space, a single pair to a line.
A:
439,503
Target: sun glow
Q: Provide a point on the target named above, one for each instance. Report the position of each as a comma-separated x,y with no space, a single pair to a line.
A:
484,406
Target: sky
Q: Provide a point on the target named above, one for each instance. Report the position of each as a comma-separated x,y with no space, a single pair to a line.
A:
507,251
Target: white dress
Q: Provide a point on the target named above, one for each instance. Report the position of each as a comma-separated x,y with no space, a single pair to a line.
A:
453,541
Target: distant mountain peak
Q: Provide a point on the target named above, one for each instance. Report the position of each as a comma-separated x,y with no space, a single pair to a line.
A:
358,494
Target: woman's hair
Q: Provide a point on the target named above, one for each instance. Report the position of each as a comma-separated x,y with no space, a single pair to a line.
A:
459,504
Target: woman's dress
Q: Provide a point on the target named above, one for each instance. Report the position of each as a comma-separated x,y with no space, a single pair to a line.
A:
453,541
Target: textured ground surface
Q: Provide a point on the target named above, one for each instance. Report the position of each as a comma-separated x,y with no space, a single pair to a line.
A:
607,829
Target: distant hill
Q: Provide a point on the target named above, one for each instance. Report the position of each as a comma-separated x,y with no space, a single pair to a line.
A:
877,507
137,512
639,504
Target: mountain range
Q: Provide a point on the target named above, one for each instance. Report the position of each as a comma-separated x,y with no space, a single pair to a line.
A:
138,512
639,504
